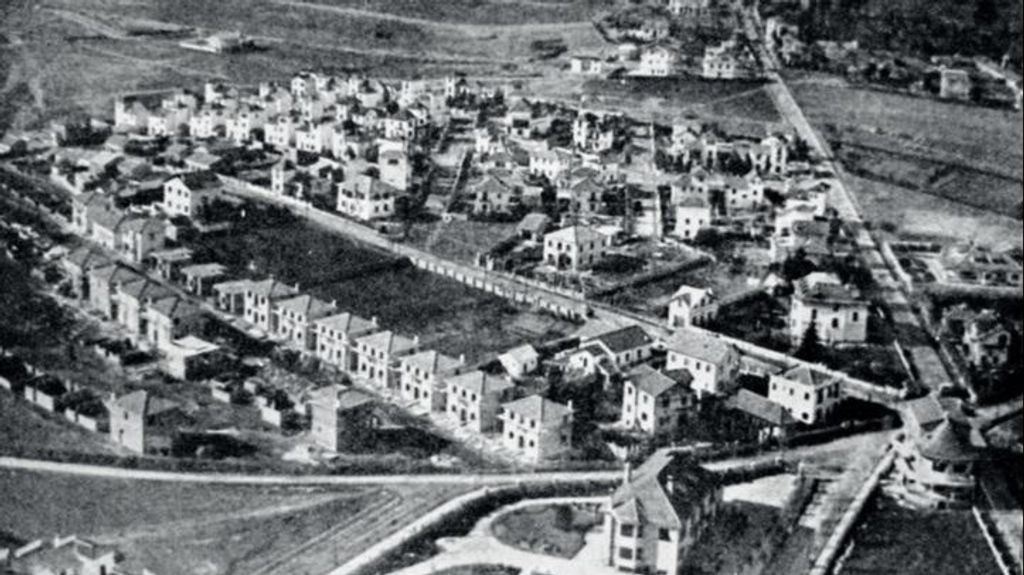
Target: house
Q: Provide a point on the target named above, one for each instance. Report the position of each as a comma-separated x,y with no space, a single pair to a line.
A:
379,357
986,342
659,514
343,418
423,378
366,198
141,423
537,428
938,455
659,61
520,361
492,195
838,312
713,363
295,317
807,394
69,555
171,319
586,65
756,418
954,84
186,194
395,170
104,283
259,302
230,295
133,299
656,402
692,216
688,8
336,336
613,350
692,306
474,399
168,263
200,279
78,263
552,164
575,248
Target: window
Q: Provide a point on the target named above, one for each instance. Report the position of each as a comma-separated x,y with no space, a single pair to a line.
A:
626,553
664,535
626,530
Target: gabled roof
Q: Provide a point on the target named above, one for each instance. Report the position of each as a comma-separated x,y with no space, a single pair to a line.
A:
690,295
804,375
576,235
761,408
534,223
144,288
387,341
480,383
539,409
84,257
140,403
172,255
306,305
523,354
926,412
825,288
175,308
700,345
654,382
431,362
271,288
346,323
492,186
203,180
114,273
663,491
624,339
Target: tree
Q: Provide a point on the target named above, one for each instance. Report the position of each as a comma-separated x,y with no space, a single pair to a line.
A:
810,346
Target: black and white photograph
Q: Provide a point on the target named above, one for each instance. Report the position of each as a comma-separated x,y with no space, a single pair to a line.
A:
511,287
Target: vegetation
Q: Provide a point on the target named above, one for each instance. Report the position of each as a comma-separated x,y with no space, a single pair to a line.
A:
557,530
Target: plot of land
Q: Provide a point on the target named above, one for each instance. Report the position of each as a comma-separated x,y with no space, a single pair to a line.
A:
893,539
197,528
557,530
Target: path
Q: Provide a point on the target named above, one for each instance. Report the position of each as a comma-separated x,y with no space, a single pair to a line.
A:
472,30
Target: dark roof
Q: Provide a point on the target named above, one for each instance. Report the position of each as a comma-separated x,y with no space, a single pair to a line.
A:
950,441
538,409
480,383
760,407
625,339
654,382
926,412
663,491
202,180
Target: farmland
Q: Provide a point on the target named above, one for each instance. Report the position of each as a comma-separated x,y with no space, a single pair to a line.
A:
190,528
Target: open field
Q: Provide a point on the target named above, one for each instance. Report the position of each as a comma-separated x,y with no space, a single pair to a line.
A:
373,284
894,539
488,12
194,528
972,133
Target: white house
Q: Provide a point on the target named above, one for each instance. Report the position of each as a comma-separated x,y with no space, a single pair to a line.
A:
713,362
537,428
366,198
575,247
423,378
656,402
692,306
520,361
692,216
186,194
838,311
659,61
809,396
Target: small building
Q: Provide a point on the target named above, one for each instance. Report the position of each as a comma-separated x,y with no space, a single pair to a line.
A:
659,514
343,418
586,65
230,295
756,418
838,312
612,351
78,263
423,378
474,399
295,317
713,363
63,555
520,361
169,263
379,357
691,306
260,297
986,342
807,394
954,84
133,301
200,279
536,428
104,283
937,457
977,265
186,194
336,336
140,422
189,358
656,402
575,248
660,62
366,198
692,215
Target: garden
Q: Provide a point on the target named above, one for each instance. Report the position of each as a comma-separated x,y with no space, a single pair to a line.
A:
558,530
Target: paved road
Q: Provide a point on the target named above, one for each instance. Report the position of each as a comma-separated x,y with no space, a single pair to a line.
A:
242,479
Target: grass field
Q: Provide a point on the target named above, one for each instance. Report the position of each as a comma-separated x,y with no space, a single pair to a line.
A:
893,539
183,529
497,12
972,133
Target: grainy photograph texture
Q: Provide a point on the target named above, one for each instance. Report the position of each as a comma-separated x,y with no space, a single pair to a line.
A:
511,287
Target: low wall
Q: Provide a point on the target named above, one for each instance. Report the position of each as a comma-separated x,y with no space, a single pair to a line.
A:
1003,557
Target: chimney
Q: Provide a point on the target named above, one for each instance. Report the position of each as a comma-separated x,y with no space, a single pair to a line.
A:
627,473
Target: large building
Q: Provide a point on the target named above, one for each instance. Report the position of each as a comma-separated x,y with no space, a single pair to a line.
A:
575,248
659,513
714,363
